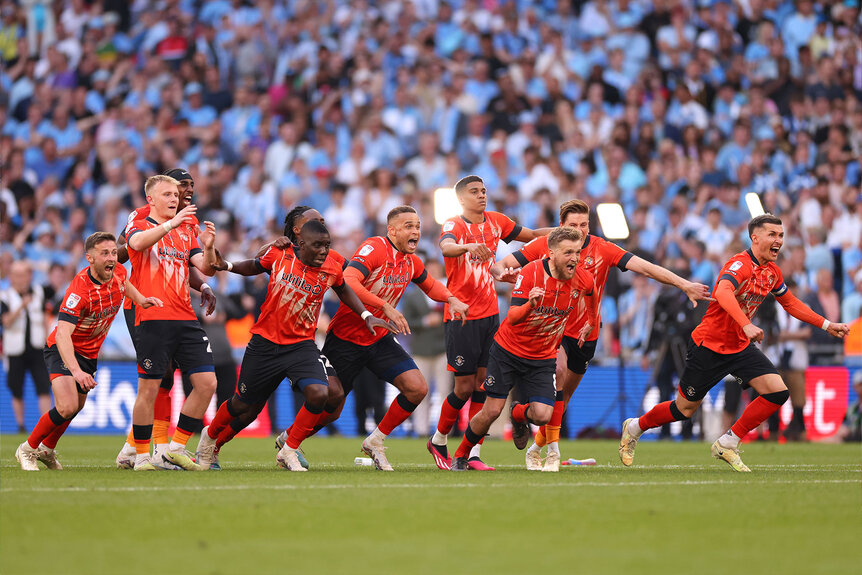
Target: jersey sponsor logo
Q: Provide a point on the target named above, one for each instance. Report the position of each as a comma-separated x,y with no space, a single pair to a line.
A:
396,279
300,282
110,312
170,252
72,300
367,249
447,227
553,311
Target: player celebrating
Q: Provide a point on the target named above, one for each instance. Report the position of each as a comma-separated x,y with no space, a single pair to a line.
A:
161,249
162,406
597,257
724,343
379,272
282,344
89,306
548,294
469,245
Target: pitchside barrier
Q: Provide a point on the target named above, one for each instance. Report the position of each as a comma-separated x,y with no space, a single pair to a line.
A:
606,396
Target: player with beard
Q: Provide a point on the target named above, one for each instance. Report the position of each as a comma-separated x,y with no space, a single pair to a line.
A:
379,272
724,344
89,306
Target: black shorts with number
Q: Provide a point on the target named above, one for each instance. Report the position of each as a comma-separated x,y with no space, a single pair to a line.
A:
266,364
183,341
704,368
468,345
385,358
56,367
578,358
536,378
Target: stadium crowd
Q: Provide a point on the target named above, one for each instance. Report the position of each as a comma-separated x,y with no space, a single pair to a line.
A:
683,112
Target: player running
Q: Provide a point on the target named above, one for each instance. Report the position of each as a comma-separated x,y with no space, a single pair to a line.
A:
548,294
282,345
162,407
89,306
469,245
597,257
161,249
724,343
379,272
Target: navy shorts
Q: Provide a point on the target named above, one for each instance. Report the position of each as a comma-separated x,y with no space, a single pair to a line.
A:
468,345
57,368
266,364
578,358
704,368
129,314
535,378
385,358
183,341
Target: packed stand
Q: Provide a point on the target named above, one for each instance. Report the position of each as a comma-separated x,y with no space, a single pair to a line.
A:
680,111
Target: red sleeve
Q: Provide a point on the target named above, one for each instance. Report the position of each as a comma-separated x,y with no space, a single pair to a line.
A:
725,297
450,229
534,250
419,272
799,310
268,259
614,254
509,229
370,256
74,304
134,227
337,272
523,285
735,271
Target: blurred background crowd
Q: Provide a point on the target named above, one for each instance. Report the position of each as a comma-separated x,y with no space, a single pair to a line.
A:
685,112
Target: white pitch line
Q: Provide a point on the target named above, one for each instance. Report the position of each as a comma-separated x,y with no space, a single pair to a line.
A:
292,487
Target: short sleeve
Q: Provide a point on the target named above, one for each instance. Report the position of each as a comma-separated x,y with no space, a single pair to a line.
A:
735,271
267,260
509,230
134,228
74,304
419,272
338,275
449,230
615,255
535,250
368,257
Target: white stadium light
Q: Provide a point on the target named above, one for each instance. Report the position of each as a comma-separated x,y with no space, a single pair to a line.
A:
445,204
755,208
613,221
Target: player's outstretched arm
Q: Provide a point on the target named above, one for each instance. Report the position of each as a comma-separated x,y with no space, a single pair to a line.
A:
695,291
67,352
452,249
802,312
281,243
506,270
145,302
143,239
438,292
351,300
526,234
727,300
353,277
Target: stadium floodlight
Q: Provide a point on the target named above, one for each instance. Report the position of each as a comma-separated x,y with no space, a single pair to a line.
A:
613,221
755,207
446,204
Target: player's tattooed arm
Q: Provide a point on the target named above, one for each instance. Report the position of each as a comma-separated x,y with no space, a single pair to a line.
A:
452,249
695,291
351,300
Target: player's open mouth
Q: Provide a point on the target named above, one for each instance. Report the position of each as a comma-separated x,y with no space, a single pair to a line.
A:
412,243
109,267
774,250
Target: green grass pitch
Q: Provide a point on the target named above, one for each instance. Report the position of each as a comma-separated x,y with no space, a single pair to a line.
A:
676,511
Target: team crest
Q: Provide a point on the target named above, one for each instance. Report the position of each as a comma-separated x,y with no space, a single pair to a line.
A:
243,387
588,261
575,294
459,361
323,276
184,237
148,364
489,380
689,391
